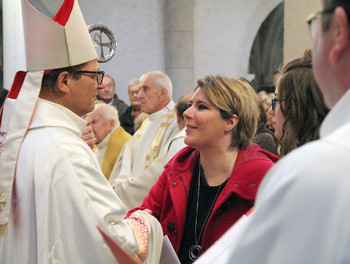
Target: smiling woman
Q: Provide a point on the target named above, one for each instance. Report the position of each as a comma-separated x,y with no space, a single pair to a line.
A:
236,103
216,177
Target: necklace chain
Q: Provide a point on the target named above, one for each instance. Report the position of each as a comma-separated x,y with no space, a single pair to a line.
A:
195,250
197,207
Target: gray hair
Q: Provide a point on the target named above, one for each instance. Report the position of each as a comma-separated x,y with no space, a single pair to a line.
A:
110,77
162,80
109,112
133,82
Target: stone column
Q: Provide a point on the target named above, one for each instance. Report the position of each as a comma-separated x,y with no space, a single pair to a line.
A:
178,42
296,31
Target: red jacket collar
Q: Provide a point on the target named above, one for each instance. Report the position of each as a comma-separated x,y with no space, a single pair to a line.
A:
245,177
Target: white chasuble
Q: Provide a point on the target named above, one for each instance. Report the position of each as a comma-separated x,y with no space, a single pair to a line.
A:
59,197
147,144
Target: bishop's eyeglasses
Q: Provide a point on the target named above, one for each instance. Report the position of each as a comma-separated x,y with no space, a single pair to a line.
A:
99,75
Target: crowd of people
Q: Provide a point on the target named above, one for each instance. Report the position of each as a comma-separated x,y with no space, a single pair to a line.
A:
76,156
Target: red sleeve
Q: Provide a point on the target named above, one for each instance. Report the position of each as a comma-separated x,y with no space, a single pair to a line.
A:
154,200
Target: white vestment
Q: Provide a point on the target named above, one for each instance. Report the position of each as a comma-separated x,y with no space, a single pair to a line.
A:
135,156
101,148
302,211
59,197
134,189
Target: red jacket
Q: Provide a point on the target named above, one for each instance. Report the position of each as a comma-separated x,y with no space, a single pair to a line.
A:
168,197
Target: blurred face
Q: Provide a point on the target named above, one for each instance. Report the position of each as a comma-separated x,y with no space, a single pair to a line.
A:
106,90
149,95
277,116
268,115
100,127
81,99
204,123
261,94
133,92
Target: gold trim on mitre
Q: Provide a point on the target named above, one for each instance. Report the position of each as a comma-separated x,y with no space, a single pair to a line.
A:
50,45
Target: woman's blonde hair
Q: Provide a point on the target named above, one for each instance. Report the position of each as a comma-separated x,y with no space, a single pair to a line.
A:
234,97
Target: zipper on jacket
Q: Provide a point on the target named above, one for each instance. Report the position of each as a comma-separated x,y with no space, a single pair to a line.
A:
183,182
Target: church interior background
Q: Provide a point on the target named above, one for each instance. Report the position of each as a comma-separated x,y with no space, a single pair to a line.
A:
186,39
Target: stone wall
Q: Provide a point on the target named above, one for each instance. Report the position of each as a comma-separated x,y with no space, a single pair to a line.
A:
187,39
296,31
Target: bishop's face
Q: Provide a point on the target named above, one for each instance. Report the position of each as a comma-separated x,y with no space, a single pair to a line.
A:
82,91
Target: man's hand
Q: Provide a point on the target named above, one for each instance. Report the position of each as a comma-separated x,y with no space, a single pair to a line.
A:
89,136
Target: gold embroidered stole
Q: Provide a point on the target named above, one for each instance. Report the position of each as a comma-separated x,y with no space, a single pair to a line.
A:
154,147
115,143
139,134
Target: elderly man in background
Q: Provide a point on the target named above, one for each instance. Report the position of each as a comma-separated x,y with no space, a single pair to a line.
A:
110,136
149,142
106,93
127,119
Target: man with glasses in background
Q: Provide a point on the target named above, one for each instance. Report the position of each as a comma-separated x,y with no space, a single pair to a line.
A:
106,93
134,110
301,213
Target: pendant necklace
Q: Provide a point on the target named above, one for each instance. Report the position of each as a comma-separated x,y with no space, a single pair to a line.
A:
195,250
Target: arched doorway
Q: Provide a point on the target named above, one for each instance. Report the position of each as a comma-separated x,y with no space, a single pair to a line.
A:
267,51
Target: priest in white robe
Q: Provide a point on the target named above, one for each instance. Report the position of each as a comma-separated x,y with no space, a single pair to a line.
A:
150,141
53,194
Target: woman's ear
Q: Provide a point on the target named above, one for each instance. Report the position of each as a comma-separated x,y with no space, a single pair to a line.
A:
231,123
62,82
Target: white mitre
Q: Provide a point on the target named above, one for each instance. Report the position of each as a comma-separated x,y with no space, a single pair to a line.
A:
60,42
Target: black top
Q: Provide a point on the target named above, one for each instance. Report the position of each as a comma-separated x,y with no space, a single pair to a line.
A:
266,140
127,120
206,198
119,104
